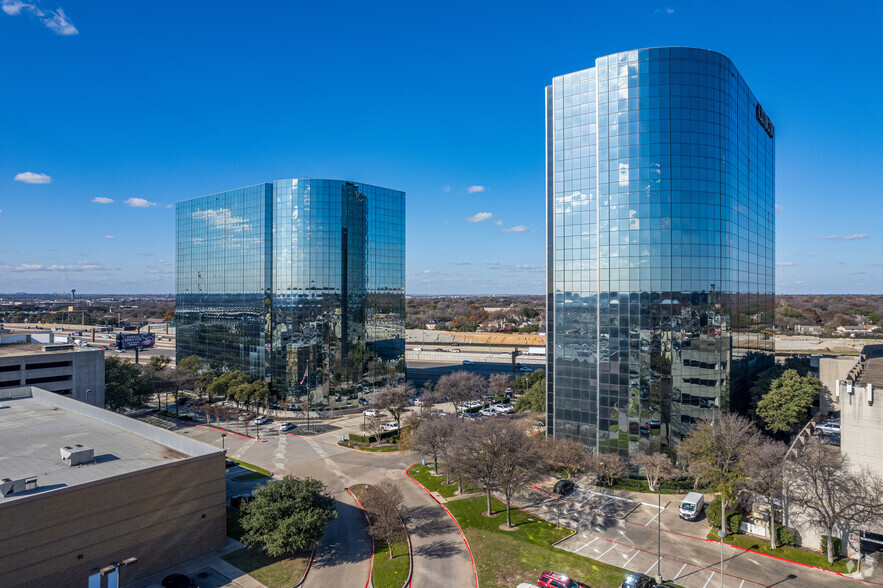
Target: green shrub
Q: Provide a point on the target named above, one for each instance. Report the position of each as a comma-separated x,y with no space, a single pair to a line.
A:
835,544
713,513
368,439
785,535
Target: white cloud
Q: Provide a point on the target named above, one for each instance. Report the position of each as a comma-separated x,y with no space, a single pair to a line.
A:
222,219
521,268
32,178
447,188
170,205
785,264
54,20
1,211
516,229
13,7
474,189
427,272
664,10
77,267
102,200
478,217
492,263
110,236
779,208
799,282
160,261
140,203
499,222
855,237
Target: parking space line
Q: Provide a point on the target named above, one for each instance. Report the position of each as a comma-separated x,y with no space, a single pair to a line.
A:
678,575
606,552
625,565
653,519
586,545
605,504
653,565
740,583
708,580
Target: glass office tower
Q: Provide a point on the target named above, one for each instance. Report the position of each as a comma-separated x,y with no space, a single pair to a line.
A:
660,212
300,282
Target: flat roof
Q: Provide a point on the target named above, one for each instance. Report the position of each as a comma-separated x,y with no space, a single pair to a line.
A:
873,372
22,349
34,428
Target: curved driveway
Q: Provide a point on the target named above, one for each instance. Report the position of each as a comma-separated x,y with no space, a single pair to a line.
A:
343,556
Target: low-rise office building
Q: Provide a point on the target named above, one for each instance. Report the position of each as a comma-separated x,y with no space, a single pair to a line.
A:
82,488
74,372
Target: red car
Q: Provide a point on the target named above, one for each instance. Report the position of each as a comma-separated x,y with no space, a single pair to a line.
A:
556,580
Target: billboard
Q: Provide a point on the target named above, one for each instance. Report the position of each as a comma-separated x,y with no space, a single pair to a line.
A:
135,340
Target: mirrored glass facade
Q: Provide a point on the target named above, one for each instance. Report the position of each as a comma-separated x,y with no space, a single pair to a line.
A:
292,281
660,223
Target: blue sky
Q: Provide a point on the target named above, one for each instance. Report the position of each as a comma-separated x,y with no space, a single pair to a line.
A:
144,104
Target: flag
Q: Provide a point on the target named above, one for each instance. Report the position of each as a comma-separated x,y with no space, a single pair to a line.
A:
306,373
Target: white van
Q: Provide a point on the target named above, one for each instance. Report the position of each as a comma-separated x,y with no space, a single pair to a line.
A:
691,506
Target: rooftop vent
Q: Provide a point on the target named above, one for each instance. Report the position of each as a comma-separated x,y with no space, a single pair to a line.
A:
8,486
74,455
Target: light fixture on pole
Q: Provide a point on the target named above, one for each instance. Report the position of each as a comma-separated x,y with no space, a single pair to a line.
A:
223,448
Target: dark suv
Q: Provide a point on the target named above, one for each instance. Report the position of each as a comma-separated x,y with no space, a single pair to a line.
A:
563,487
638,581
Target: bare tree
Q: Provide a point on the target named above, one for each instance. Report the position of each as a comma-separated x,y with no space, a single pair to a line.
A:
431,436
657,468
374,427
487,452
383,503
394,399
498,383
460,387
714,454
569,455
830,493
764,470
246,419
608,466
520,464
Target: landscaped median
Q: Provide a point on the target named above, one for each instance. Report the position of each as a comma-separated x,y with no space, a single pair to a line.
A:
256,473
391,564
505,558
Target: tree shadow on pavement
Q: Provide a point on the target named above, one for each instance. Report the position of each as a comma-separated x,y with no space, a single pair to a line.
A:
426,521
345,540
439,549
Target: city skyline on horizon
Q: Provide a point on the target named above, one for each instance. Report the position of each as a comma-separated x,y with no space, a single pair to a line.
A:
121,112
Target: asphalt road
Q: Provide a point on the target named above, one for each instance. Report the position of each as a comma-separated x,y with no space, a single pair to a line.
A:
420,372
342,558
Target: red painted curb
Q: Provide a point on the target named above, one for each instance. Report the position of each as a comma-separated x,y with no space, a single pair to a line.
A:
306,571
230,433
469,549
791,561
342,446
371,567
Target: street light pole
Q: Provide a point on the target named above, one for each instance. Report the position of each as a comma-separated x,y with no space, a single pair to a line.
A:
224,449
659,530
722,534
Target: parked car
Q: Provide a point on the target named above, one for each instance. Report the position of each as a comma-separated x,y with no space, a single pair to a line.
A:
638,581
467,362
286,426
564,487
455,351
391,426
691,506
229,463
371,412
417,349
830,439
363,401
488,412
261,420
828,428
556,580
525,369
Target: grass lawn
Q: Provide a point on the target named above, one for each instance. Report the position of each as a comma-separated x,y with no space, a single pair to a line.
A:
264,473
506,558
640,485
390,573
386,573
249,476
790,553
425,475
273,572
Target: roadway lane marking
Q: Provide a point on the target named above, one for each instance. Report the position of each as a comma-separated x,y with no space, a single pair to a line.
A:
708,580
586,545
678,575
605,495
650,568
606,552
654,518
631,558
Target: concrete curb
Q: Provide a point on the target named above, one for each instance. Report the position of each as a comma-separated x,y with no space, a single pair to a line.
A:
229,432
371,566
306,571
462,534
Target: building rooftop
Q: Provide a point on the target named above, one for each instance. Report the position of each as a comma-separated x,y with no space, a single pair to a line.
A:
17,350
35,425
872,372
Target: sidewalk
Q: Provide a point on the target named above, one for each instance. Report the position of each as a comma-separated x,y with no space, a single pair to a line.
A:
209,571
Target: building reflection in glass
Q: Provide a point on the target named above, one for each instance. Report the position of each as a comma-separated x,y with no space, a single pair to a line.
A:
660,212
300,282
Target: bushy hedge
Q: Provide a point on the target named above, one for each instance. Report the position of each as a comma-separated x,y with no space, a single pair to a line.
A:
785,536
713,512
368,439
835,545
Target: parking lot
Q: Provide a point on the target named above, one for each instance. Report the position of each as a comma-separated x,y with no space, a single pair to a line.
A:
620,528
